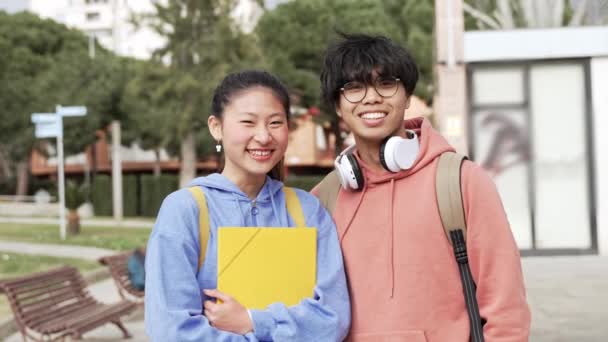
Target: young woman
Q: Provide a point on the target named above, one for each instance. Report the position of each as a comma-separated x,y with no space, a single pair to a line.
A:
249,119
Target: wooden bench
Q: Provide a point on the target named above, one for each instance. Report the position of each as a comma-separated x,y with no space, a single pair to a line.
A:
117,265
55,304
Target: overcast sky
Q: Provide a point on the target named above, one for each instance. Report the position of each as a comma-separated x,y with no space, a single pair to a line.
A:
270,4
12,6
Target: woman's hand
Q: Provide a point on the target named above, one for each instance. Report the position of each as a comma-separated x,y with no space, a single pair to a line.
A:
229,315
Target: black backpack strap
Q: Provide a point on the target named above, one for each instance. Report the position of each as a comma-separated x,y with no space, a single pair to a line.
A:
451,210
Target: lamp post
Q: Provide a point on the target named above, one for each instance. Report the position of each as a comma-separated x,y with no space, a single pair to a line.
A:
450,102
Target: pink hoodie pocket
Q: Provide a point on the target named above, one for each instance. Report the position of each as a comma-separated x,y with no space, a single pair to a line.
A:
393,336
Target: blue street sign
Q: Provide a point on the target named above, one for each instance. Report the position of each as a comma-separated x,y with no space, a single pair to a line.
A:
71,111
44,118
48,129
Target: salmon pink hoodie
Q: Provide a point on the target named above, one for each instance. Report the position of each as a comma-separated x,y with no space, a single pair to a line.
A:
403,279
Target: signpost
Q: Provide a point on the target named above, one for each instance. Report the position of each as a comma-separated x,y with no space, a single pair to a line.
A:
50,125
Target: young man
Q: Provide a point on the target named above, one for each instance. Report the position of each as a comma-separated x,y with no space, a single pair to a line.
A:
403,278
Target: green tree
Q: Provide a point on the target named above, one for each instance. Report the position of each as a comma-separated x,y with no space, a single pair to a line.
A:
32,45
294,37
149,99
97,84
416,20
46,64
202,45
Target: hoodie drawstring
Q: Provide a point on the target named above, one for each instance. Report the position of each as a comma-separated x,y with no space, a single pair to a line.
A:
352,217
392,231
238,207
392,237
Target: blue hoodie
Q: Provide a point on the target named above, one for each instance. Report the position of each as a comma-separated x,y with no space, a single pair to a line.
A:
174,297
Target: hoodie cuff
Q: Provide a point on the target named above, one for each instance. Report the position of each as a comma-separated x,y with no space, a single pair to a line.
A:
251,319
263,323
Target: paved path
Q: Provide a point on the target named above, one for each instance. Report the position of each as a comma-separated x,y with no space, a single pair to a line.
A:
94,222
79,252
568,297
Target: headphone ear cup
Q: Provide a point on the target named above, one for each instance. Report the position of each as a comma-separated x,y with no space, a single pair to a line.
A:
406,151
342,172
349,173
358,182
382,157
387,154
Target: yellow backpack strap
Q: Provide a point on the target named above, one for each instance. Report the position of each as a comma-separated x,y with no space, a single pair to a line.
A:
203,222
294,207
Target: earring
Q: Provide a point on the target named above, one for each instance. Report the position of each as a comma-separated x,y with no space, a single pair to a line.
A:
218,147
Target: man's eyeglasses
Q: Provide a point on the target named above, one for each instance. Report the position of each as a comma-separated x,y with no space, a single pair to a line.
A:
355,91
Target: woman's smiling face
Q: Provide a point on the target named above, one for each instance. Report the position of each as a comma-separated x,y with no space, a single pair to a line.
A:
254,132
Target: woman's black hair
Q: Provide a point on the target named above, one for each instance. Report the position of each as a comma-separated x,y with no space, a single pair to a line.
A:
355,57
238,82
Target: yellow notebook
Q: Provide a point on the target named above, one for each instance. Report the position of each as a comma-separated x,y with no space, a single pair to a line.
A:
259,266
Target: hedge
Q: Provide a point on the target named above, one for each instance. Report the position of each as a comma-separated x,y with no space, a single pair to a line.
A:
306,182
154,190
144,193
130,195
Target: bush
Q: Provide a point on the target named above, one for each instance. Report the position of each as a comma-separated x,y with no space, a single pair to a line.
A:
304,182
101,195
47,184
130,195
75,194
8,186
154,190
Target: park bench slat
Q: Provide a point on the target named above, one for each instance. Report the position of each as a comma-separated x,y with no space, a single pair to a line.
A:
117,264
57,302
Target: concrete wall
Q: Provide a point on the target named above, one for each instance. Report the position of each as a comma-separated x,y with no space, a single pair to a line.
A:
599,91
531,44
24,209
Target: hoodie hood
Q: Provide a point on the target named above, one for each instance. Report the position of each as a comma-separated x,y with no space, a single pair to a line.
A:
227,187
225,191
432,144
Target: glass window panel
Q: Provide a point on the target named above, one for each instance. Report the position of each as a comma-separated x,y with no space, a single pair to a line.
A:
500,85
502,148
560,162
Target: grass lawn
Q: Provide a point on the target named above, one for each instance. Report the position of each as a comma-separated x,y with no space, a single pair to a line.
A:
14,265
116,238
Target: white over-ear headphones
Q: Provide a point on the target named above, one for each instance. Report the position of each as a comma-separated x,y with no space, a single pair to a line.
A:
396,154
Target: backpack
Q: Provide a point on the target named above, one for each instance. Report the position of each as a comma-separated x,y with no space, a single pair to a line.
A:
136,270
451,210
294,208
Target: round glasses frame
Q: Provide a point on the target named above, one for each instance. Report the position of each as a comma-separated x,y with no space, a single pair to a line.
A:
355,91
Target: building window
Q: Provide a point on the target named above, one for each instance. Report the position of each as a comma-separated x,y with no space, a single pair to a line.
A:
529,131
92,16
